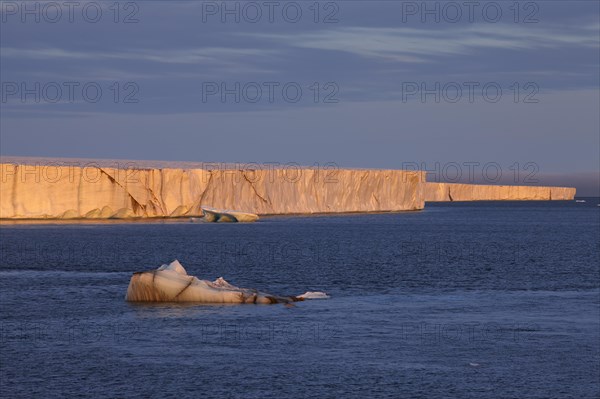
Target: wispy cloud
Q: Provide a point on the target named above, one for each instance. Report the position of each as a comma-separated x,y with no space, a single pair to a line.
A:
214,55
420,45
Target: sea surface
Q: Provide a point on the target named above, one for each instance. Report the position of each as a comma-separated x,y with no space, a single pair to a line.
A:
460,300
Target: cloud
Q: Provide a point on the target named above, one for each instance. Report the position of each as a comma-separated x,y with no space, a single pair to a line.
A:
214,55
419,45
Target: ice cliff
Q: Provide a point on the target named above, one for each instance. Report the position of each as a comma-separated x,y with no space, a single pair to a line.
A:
58,191
67,192
478,192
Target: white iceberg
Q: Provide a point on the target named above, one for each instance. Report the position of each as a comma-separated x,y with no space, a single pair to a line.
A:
227,216
171,283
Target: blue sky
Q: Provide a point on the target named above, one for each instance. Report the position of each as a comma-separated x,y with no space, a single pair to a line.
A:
372,84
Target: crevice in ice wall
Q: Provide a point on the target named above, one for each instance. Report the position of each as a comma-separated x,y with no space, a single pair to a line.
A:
135,204
157,202
376,199
254,189
198,203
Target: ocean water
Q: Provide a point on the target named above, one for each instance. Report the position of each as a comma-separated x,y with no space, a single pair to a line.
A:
466,300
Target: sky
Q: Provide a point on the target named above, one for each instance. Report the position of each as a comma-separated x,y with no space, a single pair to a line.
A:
472,91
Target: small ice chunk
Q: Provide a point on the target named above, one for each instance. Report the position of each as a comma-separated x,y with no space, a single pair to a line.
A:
314,295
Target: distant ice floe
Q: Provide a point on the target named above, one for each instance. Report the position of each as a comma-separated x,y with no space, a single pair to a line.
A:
314,295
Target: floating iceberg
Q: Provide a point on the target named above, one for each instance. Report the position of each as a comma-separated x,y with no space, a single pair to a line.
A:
171,283
216,215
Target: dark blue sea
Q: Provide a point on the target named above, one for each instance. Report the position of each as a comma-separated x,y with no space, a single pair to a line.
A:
461,300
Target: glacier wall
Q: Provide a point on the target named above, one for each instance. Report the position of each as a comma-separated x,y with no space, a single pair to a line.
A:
439,192
60,191
51,191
